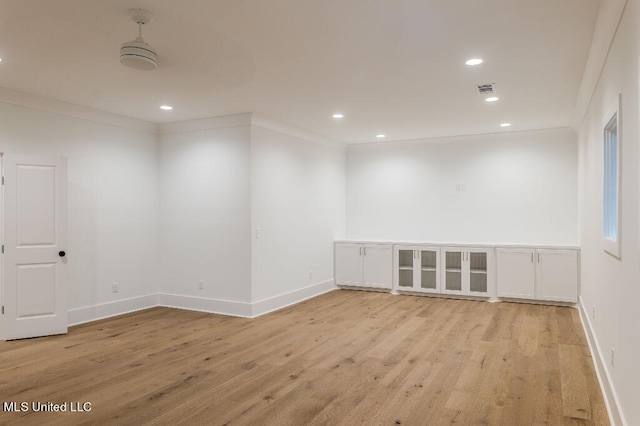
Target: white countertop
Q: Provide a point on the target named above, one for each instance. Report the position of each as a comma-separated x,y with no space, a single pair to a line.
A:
465,244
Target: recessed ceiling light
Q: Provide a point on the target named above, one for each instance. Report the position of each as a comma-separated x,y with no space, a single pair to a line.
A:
492,99
338,115
166,107
475,61
505,124
381,136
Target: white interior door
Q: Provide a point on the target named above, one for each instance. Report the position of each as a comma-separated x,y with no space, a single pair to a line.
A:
34,295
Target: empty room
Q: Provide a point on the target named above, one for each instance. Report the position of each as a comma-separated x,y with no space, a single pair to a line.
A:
284,212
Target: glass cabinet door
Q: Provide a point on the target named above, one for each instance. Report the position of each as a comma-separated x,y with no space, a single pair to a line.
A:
453,271
405,268
428,269
478,272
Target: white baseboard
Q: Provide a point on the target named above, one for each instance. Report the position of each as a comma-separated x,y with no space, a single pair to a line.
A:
616,417
111,309
203,304
283,300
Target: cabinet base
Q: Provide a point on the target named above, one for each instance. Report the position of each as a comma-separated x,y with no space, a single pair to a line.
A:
536,302
358,288
457,296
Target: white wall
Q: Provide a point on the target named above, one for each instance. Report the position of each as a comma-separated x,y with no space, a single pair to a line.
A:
520,187
611,286
206,212
222,178
298,204
157,213
112,195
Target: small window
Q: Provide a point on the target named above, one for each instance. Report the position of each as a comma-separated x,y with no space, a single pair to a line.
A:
611,184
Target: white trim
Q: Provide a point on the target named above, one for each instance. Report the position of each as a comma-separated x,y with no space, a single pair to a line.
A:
234,120
510,299
452,296
105,310
460,244
616,416
287,299
203,304
286,129
40,103
614,110
367,145
606,28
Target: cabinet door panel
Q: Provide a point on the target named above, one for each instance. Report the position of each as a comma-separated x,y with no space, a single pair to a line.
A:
429,269
516,273
378,265
405,267
348,264
557,275
453,266
478,272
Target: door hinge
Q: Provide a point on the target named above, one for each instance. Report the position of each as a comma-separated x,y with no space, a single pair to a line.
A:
2,309
3,180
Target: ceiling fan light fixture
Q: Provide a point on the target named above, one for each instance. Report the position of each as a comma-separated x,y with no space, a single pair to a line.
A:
137,54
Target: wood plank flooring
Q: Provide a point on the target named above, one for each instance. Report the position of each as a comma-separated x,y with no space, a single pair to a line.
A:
344,358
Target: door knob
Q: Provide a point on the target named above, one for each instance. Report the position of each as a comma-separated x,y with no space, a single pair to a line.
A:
62,253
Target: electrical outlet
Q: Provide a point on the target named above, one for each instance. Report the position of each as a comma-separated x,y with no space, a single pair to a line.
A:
114,288
613,353
593,312
201,284
310,275
258,233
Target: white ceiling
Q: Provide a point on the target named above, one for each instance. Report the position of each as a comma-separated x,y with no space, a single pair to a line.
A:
391,66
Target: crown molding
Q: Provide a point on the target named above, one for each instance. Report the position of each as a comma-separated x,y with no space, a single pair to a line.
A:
233,120
28,100
604,33
280,127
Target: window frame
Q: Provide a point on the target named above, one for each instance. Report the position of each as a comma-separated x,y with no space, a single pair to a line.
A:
613,119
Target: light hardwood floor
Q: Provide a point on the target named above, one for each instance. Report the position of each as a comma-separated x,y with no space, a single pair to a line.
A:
343,358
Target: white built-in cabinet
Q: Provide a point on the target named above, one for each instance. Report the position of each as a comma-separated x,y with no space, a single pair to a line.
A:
467,270
515,274
538,274
417,268
488,271
448,270
364,265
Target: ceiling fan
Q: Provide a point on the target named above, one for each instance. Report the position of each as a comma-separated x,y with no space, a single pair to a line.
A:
137,53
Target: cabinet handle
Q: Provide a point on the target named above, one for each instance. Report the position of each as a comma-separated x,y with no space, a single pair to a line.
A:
365,251
531,257
360,251
538,257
